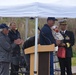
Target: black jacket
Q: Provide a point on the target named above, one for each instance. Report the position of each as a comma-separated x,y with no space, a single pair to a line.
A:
13,36
46,36
69,38
29,43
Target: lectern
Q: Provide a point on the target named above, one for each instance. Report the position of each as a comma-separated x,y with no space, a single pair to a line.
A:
43,61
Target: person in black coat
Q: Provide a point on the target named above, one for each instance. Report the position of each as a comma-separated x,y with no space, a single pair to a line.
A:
13,35
28,43
68,42
46,38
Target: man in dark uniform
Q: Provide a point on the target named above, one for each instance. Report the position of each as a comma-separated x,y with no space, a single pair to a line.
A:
68,42
46,38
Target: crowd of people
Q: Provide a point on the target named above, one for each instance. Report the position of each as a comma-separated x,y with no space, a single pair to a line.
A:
10,41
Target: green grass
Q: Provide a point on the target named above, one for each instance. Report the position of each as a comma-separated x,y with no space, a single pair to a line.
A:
74,61
74,53
74,58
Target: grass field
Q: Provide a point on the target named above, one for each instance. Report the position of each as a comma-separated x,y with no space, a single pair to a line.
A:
74,53
74,61
74,58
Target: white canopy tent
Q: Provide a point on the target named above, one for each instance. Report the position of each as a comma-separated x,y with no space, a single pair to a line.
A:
34,8
37,8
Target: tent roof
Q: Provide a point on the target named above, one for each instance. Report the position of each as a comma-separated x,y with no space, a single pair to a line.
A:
34,8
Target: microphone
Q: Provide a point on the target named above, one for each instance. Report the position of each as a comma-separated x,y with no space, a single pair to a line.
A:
39,29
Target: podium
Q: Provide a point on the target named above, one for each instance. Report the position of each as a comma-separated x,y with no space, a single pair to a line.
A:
43,61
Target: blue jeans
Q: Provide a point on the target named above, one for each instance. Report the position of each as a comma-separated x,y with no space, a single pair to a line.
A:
51,64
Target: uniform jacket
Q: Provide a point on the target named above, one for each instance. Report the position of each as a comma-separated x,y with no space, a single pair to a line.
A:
68,38
5,48
46,36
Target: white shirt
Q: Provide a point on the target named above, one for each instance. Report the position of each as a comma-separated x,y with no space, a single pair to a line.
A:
63,31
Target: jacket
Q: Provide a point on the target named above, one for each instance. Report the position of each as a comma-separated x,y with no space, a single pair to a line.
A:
5,48
68,38
46,37
13,35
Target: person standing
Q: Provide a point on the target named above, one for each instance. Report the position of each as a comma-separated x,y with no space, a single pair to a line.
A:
13,35
5,49
68,42
46,38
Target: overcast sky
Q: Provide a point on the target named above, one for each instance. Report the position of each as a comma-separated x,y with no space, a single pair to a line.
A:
22,2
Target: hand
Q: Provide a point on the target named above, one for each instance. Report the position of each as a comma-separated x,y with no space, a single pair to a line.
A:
63,44
58,42
22,42
18,41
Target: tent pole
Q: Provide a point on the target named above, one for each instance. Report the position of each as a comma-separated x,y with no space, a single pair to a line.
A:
26,28
36,48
